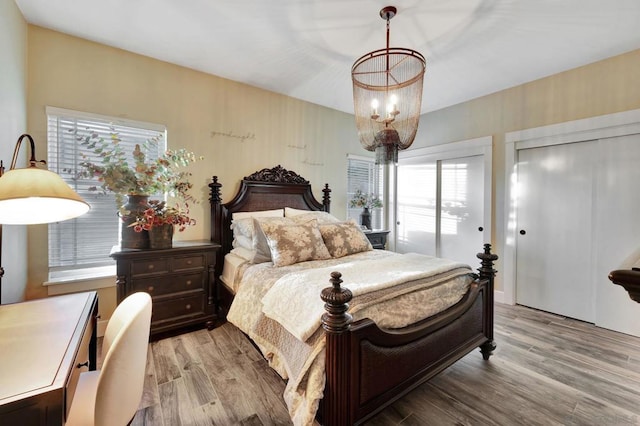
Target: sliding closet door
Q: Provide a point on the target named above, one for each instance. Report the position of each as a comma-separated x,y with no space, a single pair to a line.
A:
617,239
462,208
554,229
416,208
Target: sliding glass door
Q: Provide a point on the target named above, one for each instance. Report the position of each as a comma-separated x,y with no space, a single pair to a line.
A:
442,202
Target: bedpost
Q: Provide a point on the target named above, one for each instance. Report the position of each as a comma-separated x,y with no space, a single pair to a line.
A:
216,209
326,199
216,222
487,272
336,321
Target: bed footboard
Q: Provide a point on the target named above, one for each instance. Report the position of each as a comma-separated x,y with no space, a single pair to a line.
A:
368,368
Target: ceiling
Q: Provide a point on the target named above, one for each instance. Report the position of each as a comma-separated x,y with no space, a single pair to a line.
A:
305,48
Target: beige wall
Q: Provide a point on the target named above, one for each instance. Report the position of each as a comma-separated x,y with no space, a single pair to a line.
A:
604,87
72,73
13,122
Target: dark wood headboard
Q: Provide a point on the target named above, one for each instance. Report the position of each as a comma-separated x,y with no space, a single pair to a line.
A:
266,189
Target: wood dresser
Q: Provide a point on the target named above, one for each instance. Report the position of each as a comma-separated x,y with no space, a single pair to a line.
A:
46,344
180,280
377,238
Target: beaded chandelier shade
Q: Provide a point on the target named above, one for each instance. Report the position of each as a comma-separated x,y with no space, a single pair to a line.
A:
387,95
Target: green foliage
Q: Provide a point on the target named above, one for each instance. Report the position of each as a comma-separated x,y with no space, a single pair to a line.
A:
143,177
361,199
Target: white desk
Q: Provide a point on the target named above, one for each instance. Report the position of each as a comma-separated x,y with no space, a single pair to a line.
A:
44,345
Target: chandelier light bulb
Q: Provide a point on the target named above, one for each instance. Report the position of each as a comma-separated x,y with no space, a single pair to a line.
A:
374,109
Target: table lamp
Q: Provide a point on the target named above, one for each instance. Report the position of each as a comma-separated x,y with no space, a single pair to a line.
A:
34,195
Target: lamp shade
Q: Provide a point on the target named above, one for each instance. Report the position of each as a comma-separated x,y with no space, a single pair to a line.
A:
32,195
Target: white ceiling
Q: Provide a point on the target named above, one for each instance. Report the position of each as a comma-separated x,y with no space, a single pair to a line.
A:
305,48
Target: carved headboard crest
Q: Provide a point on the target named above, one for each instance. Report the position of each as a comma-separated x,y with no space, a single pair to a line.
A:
278,174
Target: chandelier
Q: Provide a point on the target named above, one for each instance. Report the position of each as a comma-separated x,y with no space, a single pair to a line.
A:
387,94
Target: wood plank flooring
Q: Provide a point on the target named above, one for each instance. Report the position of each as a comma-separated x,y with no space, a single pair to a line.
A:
546,370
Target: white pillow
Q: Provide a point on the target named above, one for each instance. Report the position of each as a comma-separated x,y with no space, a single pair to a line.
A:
242,241
242,227
244,253
261,213
290,211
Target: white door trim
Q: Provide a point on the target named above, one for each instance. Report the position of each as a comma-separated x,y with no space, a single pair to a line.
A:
610,125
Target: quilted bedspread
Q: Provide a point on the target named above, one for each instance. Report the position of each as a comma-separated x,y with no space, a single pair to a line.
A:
280,309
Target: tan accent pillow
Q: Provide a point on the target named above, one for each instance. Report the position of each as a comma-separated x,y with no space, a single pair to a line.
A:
321,217
344,238
291,244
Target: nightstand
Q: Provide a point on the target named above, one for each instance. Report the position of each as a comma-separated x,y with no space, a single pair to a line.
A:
378,238
180,280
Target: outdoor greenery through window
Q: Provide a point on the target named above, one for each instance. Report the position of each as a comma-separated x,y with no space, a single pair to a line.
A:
364,175
85,242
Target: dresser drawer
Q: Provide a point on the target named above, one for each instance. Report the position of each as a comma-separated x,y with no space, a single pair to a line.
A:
178,307
182,263
181,281
158,286
150,266
80,365
377,240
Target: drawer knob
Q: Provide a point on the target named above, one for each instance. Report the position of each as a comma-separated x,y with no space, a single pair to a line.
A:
150,266
188,306
188,282
84,364
189,262
150,289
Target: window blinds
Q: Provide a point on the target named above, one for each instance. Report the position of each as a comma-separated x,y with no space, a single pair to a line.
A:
363,174
86,241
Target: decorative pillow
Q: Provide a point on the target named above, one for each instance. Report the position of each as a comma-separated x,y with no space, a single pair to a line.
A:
344,238
321,217
291,244
259,240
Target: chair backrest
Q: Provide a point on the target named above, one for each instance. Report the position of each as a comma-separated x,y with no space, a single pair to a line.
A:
125,344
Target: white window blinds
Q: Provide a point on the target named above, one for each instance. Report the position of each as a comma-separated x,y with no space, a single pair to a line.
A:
365,175
86,241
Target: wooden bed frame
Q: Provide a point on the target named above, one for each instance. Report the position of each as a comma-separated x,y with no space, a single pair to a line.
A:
367,368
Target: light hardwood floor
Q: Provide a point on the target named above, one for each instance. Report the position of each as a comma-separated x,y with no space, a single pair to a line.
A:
546,370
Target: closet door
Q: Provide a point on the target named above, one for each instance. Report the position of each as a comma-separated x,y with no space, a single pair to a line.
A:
416,208
617,239
554,229
462,209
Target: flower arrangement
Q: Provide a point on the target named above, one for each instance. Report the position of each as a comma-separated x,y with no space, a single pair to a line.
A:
363,200
159,214
143,177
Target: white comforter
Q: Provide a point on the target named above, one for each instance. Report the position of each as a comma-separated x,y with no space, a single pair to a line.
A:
291,294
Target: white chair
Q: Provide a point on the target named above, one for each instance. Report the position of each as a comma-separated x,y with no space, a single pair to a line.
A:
110,396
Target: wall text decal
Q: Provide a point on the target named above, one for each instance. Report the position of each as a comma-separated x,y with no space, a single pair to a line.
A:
232,135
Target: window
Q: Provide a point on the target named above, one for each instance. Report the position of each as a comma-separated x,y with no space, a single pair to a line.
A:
85,242
365,175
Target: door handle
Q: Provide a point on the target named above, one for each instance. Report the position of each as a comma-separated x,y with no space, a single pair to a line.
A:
480,229
522,232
